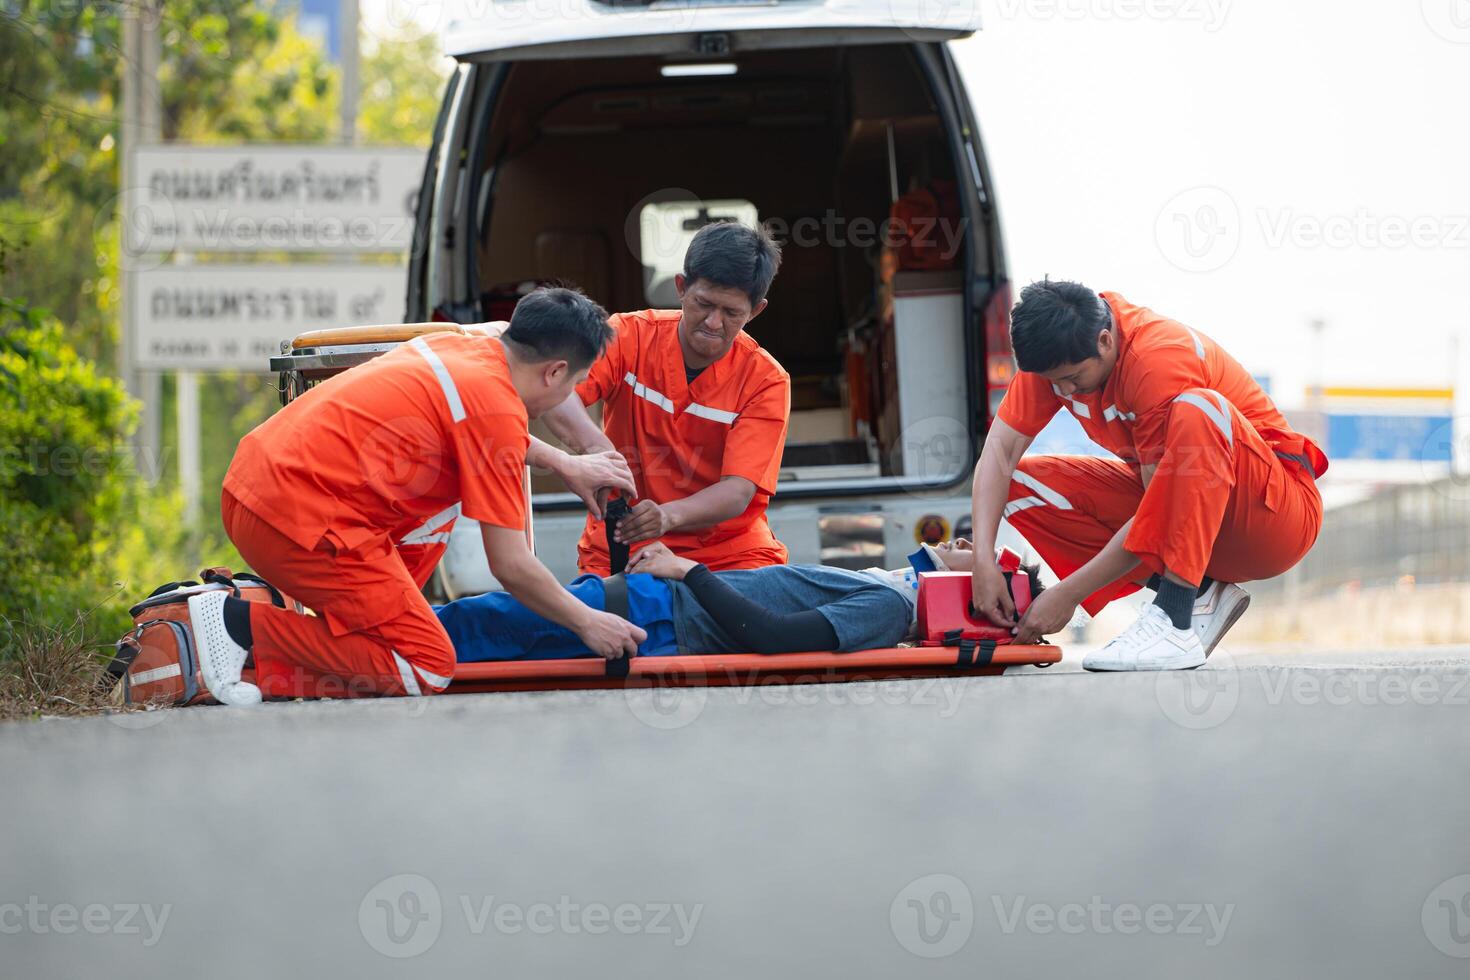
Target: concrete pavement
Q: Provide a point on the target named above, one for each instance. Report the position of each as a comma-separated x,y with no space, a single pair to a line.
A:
1272,815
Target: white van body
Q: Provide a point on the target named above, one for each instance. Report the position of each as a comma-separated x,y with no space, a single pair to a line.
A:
579,140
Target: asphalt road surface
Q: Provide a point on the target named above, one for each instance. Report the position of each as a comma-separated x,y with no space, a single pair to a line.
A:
1303,816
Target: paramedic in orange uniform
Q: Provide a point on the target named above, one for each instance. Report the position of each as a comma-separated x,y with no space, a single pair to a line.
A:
1211,488
345,497
697,407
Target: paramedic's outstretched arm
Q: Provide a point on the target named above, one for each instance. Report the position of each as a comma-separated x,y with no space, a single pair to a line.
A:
585,475
715,503
998,458
570,423
525,578
1055,607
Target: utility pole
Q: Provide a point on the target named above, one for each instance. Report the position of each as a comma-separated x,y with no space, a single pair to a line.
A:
142,122
351,82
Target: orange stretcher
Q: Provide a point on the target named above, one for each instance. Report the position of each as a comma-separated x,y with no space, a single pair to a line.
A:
746,669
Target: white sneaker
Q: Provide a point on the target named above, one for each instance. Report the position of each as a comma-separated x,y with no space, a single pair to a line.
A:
220,658
1151,643
1216,611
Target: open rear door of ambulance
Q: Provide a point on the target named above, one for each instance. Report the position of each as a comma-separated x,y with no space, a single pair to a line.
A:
697,30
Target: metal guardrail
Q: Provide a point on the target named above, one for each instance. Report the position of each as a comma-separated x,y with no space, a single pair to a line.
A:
1420,530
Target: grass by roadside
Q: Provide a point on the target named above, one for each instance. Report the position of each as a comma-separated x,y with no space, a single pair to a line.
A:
53,670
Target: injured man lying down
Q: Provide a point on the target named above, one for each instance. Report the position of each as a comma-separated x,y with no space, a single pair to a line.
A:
687,609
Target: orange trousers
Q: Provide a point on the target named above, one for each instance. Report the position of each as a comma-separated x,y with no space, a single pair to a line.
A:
1221,503
374,632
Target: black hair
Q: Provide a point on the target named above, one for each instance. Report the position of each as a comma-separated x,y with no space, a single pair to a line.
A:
1033,577
1056,323
558,323
728,254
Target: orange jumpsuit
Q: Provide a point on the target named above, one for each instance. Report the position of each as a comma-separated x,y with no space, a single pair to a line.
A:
680,438
1233,497
345,499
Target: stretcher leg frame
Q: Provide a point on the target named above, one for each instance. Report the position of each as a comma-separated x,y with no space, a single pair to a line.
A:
742,669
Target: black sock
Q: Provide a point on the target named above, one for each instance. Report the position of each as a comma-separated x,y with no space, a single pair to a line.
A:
1205,583
237,622
1176,600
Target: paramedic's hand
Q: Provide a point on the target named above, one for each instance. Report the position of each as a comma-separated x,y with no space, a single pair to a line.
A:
1049,612
991,596
646,519
586,475
657,560
611,637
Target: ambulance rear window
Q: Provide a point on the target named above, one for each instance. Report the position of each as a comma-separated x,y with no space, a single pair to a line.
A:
665,230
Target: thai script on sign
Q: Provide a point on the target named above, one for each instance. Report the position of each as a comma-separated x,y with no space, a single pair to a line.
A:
299,181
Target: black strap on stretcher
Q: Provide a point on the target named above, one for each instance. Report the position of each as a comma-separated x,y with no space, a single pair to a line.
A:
615,586
973,653
617,552
615,601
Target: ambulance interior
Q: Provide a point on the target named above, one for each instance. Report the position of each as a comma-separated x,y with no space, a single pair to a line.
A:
598,172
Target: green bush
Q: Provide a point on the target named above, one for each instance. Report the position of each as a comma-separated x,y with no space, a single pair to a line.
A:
64,471
81,532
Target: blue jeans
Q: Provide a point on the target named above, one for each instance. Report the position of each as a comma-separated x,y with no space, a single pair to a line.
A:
497,626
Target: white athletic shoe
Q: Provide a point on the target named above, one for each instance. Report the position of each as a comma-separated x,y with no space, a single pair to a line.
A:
1151,643
220,658
1216,611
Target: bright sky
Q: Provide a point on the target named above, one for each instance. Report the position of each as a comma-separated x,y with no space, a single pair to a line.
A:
1246,166
1307,122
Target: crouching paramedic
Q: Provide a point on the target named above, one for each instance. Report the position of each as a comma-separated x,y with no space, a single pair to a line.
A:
333,499
1212,487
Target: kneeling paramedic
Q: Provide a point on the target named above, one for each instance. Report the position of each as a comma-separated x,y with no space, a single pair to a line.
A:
345,497
1212,487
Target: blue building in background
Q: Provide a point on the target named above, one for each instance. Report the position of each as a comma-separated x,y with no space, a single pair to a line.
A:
321,20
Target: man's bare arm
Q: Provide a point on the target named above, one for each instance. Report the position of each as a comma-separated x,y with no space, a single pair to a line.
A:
715,503
1001,453
1109,564
570,423
515,568
1106,567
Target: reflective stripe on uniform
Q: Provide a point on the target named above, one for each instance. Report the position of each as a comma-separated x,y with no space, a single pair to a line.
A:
1046,493
1078,409
451,393
643,391
1219,415
406,676
434,680
1111,412
425,532
1021,503
713,414
438,537
1199,347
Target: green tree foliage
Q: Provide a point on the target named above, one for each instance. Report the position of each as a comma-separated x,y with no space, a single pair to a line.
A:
64,472
231,71
402,83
